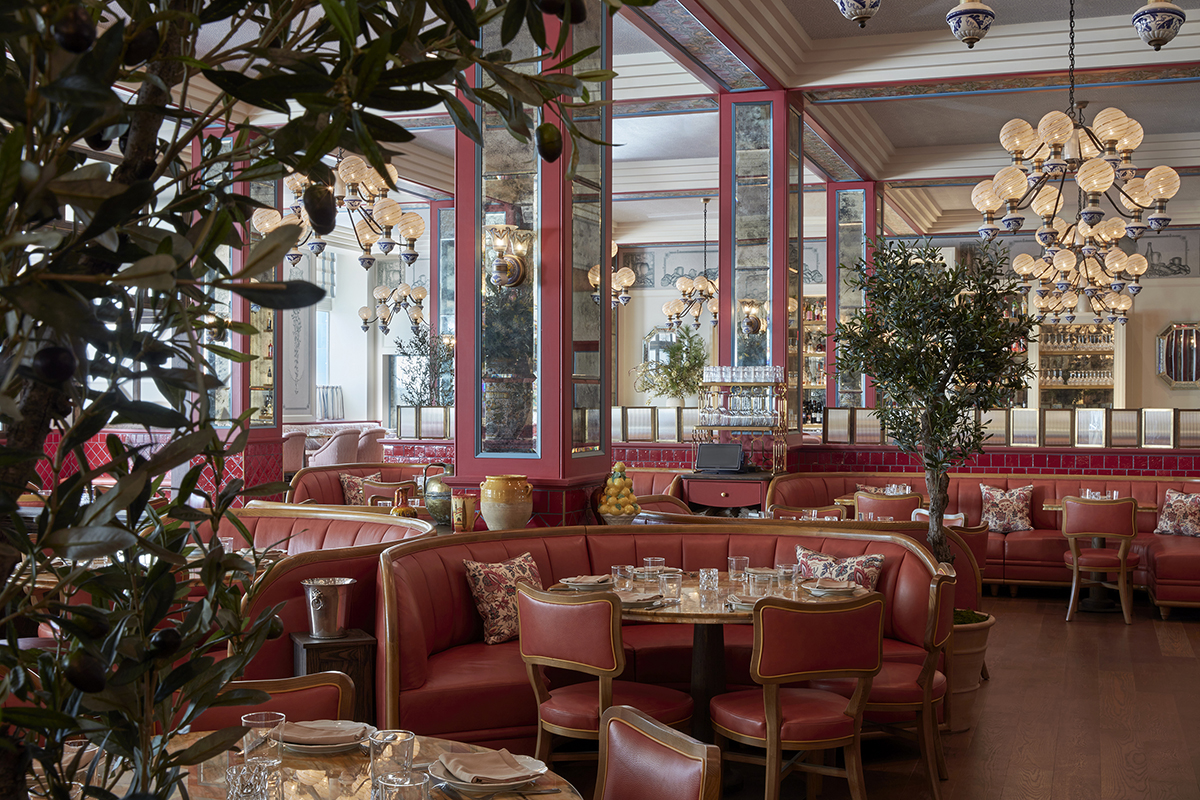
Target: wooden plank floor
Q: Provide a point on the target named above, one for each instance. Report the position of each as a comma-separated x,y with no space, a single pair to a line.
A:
1091,709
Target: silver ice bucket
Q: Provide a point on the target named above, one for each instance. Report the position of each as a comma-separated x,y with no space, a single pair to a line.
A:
327,606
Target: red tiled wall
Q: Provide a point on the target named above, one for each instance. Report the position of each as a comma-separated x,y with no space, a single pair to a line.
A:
403,452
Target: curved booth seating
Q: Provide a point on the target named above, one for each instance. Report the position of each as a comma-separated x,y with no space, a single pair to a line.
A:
301,529
370,446
657,481
641,759
323,485
435,675
322,695
342,448
1168,566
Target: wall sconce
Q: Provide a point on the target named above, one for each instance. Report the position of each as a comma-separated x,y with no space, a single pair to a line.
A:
619,284
389,301
510,245
751,324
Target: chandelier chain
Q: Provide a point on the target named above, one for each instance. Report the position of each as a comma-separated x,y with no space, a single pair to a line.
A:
1071,110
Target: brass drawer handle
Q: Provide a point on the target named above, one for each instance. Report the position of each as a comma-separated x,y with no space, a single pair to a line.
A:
724,494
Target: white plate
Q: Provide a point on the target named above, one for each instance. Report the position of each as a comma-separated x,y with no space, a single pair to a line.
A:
812,588
574,584
325,749
438,771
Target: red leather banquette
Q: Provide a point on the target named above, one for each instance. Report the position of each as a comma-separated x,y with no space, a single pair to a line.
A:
1169,566
323,486
436,676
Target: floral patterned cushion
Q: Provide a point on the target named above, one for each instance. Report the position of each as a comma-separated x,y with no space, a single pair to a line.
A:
352,488
862,487
1180,515
1004,512
494,587
863,570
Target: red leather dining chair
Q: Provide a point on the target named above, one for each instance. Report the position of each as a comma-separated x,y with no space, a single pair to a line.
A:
321,695
641,759
897,506
1115,519
592,646
796,641
902,691
789,512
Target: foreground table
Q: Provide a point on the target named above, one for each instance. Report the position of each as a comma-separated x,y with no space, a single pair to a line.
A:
345,775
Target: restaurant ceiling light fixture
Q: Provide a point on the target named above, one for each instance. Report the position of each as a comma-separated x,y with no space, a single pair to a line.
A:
389,302
1081,261
695,294
362,194
1158,21
619,282
509,245
970,21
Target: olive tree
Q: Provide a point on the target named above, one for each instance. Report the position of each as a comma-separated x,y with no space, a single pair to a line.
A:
941,342
129,131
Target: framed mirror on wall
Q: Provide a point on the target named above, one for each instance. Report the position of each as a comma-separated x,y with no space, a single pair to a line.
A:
1178,363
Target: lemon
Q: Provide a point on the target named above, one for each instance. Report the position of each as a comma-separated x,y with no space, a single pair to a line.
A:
619,466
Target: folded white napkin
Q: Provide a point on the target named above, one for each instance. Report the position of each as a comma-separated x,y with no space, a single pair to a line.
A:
832,583
497,766
639,597
323,731
588,579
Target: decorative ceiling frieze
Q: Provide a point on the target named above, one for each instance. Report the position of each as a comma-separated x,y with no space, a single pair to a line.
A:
825,158
673,21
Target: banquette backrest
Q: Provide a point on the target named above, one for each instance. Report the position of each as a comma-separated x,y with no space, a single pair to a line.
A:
300,529
656,481
808,490
323,485
425,605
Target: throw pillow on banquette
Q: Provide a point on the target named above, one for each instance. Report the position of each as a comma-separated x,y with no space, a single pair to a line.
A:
352,488
494,587
1180,515
863,570
1005,512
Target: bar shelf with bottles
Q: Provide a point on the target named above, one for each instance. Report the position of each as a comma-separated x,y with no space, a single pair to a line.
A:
749,404
1076,366
814,339
262,369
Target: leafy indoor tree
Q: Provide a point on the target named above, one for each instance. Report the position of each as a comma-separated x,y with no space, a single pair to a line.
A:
677,374
941,342
428,370
128,144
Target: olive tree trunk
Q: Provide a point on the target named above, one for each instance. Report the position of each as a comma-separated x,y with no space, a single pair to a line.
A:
937,483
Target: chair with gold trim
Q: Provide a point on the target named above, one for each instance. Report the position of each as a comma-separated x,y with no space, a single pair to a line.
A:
805,641
321,695
897,506
641,759
593,646
1100,519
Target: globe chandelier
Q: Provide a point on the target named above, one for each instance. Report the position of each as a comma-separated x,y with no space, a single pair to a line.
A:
1081,261
390,302
695,294
619,283
362,193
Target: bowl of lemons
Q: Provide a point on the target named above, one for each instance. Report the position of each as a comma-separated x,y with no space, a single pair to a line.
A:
618,505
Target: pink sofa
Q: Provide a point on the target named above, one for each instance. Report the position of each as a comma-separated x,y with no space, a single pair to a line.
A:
1170,565
323,486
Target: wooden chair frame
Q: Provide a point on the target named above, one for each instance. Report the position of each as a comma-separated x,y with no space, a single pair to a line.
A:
1123,587
281,686
776,769
709,755
875,495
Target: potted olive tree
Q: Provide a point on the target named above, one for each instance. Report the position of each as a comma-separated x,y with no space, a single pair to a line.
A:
127,154
677,374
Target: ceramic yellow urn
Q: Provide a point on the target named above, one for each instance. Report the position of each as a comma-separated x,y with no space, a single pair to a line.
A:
505,501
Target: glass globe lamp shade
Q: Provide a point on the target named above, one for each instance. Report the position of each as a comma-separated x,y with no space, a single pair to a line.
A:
374,182
1010,183
1131,137
1124,303
1115,229
266,220
701,284
1136,264
713,307
387,212
1070,300
793,305
400,293
364,313
984,198
1018,137
381,293
1115,261
666,309
1064,260
1095,176
1024,264
296,182
625,277
352,169
366,234
419,293
1162,183
677,307
1135,194
594,276
412,226
1047,202
1106,124
684,285
1055,128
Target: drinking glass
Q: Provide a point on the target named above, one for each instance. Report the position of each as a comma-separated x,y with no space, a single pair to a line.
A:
262,746
883,519
760,584
786,574
654,562
413,786
391,761
670,586
709,579
621,576
737,567
226,543
1115,494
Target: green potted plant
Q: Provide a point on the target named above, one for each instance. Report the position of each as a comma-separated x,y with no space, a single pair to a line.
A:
677,375
941,342
122,207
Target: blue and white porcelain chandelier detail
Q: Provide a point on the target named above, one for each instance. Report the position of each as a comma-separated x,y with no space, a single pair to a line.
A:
1081,261
1156,23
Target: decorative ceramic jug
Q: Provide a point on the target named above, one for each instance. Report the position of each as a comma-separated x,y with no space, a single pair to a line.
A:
505,501
437,495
